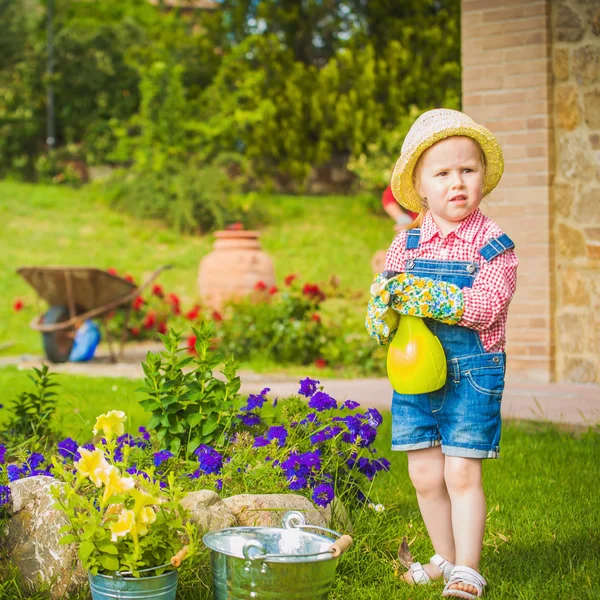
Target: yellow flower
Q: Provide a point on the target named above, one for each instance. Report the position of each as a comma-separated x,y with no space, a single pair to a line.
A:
123,526
144,518
111,423
115,484
93,465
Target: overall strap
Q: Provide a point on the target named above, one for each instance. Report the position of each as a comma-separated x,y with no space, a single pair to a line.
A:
496,246
413,238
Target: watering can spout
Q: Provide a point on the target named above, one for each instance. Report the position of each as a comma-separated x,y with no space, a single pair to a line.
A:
416,363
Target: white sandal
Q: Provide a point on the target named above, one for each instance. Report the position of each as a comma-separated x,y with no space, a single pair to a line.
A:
420,575
467,576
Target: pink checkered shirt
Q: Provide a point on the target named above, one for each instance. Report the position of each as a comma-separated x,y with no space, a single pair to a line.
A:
486,303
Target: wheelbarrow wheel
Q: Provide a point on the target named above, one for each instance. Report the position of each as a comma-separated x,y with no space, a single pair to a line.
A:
57,344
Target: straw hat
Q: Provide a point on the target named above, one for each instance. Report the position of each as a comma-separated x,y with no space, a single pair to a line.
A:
431,127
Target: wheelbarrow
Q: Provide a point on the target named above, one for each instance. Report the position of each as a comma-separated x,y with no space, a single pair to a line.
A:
74,295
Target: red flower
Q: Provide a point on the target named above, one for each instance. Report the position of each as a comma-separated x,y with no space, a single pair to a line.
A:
289,278
273,290
138,303
193,314
162,328
191,344
260,286
129,278
312,290
320,363
157,290
217,316
237,226
175,303
18,305
150,320
316,318
111,271
135,331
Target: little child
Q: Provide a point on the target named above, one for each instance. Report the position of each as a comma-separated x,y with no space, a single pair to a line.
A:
457,270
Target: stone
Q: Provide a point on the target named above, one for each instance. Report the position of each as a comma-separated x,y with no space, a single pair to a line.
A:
593,337
561,64
574,156
207,511
593,250
586,64
267,510
594,20
571,332
571,242
595,141
588,207
580,370
568,113
573,287
564,198
591,103
569,26
31,538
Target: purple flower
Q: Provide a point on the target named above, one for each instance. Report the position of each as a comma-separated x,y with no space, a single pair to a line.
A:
35,460
250,420
126,438
133,470
301,465
161,457
67,448
325,434
2,454
374,417
13,472
144,433
40,472
277,433
321,401
297,483
260,441
310,418
308,387
210,460
323,494
219,485
275,402
89,447
4,495
256,400
350,404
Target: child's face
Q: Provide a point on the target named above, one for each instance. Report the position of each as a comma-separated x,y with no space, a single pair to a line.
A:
450,176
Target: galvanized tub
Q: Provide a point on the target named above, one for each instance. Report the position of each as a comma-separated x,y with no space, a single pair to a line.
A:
157,587
270,563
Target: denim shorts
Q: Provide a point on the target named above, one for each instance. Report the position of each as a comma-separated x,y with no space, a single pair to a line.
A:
463,416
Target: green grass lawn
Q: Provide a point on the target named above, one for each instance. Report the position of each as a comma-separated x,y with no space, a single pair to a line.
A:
543,533
313,237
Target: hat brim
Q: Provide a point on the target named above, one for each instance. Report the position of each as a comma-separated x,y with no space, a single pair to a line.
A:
402,178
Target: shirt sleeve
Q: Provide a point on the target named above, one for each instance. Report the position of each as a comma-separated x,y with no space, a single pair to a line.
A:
491,293
396,254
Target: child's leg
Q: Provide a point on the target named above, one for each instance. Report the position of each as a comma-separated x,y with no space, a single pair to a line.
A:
464,484
426,470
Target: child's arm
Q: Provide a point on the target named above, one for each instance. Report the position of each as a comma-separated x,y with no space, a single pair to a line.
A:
491,293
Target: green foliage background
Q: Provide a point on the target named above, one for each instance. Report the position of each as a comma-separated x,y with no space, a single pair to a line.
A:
269,89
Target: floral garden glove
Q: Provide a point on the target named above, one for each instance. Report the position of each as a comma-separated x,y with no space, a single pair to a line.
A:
381,322
425,298
410,295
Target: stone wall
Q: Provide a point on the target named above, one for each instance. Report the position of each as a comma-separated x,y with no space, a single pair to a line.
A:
575,39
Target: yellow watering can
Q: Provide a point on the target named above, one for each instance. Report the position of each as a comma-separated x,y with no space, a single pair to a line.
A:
416,363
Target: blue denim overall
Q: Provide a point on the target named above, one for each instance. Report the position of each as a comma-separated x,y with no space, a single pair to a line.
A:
464,415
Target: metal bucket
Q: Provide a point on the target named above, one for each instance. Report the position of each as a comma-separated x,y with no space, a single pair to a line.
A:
158,587
270,563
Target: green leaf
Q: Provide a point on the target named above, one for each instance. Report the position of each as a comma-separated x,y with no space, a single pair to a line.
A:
85,549
154,422
108,549
209,427
193,444
194,419
67,539
110,563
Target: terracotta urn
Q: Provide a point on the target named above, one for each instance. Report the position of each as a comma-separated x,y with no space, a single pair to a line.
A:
233,268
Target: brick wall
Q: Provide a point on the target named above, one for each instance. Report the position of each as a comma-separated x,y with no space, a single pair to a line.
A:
507,86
